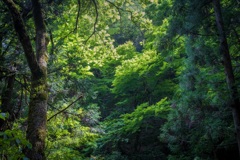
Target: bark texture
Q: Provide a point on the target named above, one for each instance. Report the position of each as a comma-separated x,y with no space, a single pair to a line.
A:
36,132
224,49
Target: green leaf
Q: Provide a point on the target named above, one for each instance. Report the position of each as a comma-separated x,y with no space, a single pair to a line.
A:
3,115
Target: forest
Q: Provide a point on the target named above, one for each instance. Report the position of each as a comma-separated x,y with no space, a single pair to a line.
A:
119,80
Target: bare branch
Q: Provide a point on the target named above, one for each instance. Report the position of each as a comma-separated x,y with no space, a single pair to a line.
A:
78,14
80,97
66,112
115,5
96,20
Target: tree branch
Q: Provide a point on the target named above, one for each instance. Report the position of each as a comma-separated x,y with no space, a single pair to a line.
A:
131,15
75,29
96,20
80,97
23,36
78,14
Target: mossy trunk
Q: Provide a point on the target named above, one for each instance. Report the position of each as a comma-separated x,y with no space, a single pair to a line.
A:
37,62
36,132
37,117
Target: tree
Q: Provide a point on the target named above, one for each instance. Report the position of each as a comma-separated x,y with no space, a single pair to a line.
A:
37,62
7,70
196,20
230,78
194,127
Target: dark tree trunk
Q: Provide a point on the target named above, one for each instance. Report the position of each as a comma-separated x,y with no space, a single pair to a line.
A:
36,132
6,97
6,101
1,38
235,105
1,56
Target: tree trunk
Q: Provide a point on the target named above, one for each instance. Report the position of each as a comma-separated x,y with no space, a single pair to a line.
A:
1,39
6,101
234,101
37,116
1,56
36,132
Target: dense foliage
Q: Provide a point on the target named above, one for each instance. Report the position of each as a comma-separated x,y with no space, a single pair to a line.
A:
127,79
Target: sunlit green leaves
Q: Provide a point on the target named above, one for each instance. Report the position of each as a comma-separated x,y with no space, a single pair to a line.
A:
143,78
133,121
13,143
71,137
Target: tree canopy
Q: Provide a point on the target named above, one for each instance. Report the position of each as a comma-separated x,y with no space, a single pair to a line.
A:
119,79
